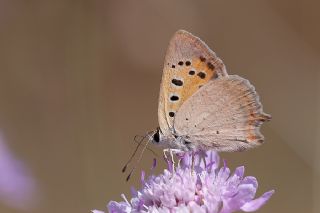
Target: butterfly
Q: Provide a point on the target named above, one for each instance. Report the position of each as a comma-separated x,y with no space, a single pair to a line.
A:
201,107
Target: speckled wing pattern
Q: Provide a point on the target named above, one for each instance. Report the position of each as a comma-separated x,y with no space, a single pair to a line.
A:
224,115
189,65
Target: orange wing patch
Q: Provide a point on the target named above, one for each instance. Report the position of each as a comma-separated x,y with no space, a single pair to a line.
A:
256,120
187,77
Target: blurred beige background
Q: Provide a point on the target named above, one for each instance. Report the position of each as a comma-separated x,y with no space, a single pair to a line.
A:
78,79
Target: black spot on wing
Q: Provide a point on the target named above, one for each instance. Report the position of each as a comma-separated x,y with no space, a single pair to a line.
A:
201,75
174,98
203,59
191,72
177,82
210,66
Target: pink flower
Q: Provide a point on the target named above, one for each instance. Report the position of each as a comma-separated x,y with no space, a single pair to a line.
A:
209,189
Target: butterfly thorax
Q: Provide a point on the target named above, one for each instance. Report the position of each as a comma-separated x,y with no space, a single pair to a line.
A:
171,141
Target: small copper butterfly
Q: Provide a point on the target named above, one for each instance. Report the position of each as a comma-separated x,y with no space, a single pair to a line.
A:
201,107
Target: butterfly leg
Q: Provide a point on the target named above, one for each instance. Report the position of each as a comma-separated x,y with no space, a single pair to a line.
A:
172,159
172,152
164,154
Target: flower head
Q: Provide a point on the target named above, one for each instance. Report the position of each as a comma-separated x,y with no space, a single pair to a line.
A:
202,187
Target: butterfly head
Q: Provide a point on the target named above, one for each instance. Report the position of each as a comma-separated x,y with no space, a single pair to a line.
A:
159,139
170,141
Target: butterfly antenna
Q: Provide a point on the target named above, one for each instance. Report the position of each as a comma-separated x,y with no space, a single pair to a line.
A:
134,153
140,156
148,148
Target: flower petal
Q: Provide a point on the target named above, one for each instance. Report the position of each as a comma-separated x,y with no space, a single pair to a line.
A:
245,194
194,207
181,209
239,171
154,164
134,192
257,203
143,174
96,211
121,207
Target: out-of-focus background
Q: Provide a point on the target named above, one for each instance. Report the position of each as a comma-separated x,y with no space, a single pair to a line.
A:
78,79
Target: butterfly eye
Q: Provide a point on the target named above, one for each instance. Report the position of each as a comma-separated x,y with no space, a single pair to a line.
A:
156,137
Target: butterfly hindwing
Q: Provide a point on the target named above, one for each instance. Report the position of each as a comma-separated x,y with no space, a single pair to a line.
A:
224,115
189,65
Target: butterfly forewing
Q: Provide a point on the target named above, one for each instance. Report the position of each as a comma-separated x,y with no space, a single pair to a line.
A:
189,65
224,115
